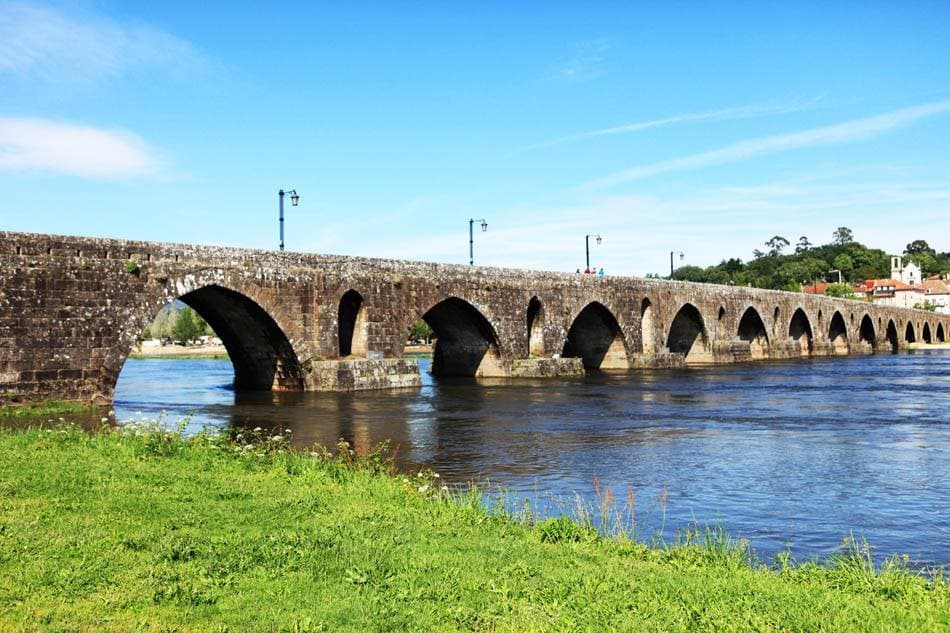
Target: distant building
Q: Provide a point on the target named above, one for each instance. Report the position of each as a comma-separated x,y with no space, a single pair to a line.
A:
937,292
894,292
815,289
909,274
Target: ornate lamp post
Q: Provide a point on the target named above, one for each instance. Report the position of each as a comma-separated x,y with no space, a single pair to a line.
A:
587,246
294,199
471,238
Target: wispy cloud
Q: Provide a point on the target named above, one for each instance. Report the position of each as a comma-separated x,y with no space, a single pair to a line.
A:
847,132
586,61
722,114
44,43
41,144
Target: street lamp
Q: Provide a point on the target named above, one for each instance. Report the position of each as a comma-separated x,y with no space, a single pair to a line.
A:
671,262
471,238
294,199
839,274
587,246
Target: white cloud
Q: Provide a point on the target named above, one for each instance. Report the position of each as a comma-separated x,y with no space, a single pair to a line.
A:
723,114
41,144
847,132
44,43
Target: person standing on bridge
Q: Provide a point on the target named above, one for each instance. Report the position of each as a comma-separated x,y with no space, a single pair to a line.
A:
600,273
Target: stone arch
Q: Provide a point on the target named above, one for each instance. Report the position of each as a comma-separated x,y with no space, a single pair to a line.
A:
262,355
752,329
838,334
925,334
941,336
466,343
535,322
892,335
910,336
688,335
647,327
721,314
866,332
799,329
352,326
595,336
775,319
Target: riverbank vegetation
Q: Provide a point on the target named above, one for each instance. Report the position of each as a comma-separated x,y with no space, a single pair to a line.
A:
142,529
786,267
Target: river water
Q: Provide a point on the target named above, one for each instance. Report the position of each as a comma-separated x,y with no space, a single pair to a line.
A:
791,455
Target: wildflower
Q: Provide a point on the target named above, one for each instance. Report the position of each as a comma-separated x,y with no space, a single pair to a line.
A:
424,488
277,438
258,429
104,420
435,475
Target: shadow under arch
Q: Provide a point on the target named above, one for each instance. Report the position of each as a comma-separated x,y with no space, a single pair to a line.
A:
688,335
466,343
799,329
925,334
596,338
838,334
752,329
260,352
909,335
941,337
891,334
351,325
535,323
866,332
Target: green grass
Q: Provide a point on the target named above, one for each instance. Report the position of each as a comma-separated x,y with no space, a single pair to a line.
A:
46,409
142,531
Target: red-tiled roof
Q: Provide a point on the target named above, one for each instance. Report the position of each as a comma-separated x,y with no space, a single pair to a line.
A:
815,289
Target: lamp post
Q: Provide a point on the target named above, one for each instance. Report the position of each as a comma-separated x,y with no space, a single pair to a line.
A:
839,274
587,246
671,262
294,199
471,238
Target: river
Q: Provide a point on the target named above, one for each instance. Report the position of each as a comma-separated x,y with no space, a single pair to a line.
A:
790,455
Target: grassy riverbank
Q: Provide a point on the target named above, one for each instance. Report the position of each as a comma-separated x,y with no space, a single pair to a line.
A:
123,531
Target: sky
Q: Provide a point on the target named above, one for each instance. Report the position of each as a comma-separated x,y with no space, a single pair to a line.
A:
659,126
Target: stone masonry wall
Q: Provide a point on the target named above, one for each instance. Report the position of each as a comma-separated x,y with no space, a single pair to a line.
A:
72,307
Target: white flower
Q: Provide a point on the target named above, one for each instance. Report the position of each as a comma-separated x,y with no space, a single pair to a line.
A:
435,475
277,438
423,488
258,429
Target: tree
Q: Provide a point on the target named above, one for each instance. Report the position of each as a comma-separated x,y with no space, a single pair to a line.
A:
843,291
843,235
421,331
802,246
186,328
845,264
926,305
776,245
919,247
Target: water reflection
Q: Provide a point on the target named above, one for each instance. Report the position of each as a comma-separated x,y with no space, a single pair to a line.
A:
789,454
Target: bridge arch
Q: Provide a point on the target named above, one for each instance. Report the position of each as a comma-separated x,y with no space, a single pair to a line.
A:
910,336
941,337
688,335
535,323
866,332
647,327
466,343
838,334
752,329
596,337
892,336
925,336
261,353
799,329
352,325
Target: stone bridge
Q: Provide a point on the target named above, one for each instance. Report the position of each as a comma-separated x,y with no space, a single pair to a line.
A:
71,309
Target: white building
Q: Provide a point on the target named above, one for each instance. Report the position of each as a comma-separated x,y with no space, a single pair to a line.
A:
937,292
894,292
909,274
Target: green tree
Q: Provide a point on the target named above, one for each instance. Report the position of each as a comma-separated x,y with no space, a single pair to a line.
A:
186,327
919,247
843,235
776,245
802,246
845,264
421,331
843,291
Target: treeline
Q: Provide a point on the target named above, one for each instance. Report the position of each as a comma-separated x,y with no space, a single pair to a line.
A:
180,324
778,269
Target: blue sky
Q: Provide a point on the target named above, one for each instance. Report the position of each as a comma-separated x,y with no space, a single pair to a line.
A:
664,126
